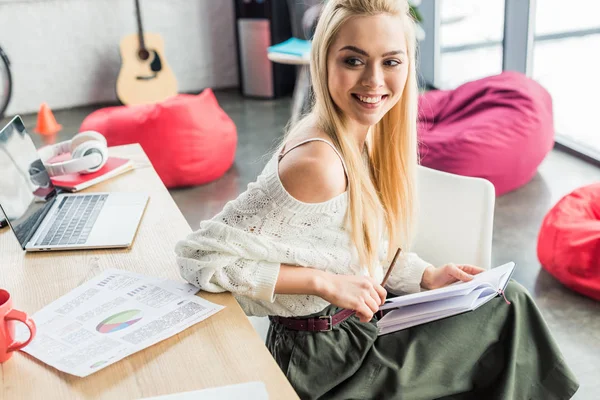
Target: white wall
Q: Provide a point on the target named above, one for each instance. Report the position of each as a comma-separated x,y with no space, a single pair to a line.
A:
66,52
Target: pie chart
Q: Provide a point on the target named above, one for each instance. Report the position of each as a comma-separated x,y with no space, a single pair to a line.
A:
119,321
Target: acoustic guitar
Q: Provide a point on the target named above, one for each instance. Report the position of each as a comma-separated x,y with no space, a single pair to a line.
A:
145,77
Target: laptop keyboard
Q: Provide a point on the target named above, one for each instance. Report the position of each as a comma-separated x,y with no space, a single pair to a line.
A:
74,220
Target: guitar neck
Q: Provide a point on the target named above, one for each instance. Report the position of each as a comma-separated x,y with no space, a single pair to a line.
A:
140,28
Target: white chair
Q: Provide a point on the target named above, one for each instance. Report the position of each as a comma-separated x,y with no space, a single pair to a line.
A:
454,223
455,220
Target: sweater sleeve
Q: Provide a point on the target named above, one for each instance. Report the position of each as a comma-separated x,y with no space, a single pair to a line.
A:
407,274
218,258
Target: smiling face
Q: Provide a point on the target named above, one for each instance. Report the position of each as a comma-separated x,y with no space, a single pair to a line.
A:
367,66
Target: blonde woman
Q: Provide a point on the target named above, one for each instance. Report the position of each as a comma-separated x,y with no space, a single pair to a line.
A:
311,237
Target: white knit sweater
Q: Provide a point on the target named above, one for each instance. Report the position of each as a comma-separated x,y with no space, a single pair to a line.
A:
241,249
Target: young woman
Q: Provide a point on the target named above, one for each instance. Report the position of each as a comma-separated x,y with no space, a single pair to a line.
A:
311,237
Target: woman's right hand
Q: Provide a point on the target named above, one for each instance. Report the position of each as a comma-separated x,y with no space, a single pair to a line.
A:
362,294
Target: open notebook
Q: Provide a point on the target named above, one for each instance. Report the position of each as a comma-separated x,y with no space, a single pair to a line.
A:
419,308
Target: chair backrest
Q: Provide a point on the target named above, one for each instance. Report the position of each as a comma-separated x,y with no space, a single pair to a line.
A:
455,218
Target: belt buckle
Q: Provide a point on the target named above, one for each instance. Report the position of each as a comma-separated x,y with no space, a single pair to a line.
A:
327,317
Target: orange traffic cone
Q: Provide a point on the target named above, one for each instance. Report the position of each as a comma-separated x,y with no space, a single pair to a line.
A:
46,123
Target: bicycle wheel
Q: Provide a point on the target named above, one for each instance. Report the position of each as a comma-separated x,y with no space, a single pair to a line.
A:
5,82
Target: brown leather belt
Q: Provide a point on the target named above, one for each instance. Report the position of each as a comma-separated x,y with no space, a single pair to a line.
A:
323,323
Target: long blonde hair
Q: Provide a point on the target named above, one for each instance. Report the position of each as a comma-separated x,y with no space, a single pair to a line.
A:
385,192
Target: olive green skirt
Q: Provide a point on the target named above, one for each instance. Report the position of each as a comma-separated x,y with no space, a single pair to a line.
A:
498,351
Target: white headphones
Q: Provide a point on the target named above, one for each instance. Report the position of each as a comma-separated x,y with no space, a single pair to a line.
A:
88,154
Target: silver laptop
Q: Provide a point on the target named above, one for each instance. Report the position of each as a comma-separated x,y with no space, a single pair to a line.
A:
44,219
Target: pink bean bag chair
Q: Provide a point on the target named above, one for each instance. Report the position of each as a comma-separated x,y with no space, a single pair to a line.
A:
188,138
499,128
569,241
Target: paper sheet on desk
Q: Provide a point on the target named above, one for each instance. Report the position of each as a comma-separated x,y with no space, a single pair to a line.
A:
246,391
112,316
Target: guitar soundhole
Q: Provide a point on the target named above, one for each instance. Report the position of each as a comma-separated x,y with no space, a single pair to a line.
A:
143,54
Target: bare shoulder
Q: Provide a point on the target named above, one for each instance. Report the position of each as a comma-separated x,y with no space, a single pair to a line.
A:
312,172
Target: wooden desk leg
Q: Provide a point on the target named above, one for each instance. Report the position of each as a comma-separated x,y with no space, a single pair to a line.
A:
300,92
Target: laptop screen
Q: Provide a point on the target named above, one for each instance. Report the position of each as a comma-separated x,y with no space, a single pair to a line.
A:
26,193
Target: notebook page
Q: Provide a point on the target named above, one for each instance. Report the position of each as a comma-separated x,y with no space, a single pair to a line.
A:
447,292
503,281
434,308
419,320
497,276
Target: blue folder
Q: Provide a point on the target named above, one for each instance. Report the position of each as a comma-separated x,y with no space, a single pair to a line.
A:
292,46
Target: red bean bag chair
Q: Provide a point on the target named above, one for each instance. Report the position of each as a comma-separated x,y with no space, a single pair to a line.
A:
569,241
499,128
188,138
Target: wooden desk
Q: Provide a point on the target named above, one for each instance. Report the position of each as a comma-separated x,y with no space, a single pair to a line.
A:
222,350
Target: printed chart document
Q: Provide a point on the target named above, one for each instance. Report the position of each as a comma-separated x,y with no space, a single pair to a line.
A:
246,391
431,305
112,316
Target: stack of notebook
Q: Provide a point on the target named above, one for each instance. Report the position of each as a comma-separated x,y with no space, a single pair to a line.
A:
419,308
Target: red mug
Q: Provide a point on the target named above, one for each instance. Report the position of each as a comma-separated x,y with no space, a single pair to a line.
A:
8,316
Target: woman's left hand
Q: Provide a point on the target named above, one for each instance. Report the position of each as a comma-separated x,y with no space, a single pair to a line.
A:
445,275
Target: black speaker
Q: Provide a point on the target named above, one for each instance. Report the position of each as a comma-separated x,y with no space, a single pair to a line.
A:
260,24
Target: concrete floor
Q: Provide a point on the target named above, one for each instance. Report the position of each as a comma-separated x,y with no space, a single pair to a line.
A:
573,319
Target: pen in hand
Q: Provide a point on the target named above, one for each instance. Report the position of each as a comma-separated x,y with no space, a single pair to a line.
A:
389,271
392,265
